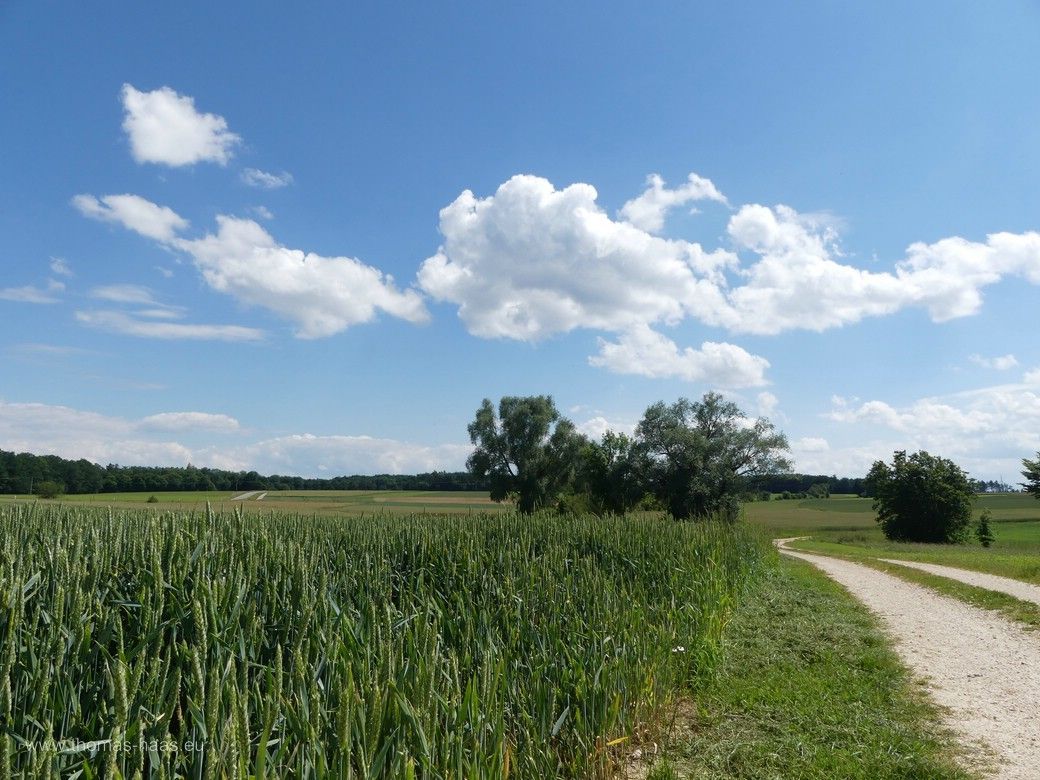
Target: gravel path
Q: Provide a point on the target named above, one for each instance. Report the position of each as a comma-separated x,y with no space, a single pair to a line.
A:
982,668
1016,588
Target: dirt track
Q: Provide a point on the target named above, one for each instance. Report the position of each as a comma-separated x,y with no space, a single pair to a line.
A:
1016,588
981,667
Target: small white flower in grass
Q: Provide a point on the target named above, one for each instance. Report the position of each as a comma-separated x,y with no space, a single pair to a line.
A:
678,649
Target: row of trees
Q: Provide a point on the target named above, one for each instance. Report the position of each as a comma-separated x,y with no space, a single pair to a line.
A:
694,458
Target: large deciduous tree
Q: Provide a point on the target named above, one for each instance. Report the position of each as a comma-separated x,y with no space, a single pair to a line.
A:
610,475
1031,471
527,451
921,498
701,454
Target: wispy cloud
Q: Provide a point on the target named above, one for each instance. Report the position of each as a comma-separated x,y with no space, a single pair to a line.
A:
30,294
264,180
130,325
193,421
1001,363
124,293
49,350
60,267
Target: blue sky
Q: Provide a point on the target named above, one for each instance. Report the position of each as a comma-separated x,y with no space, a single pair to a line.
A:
312,240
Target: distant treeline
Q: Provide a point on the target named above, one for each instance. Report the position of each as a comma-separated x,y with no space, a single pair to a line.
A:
800,483
23,472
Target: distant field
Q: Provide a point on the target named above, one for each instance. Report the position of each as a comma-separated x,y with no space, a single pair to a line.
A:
852,513
374,501
826,518
323,502
845,525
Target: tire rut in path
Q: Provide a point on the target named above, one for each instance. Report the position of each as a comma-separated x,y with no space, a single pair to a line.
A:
981,668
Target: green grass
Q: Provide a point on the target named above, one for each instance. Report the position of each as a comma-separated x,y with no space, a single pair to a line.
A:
378,646
794,517
808,689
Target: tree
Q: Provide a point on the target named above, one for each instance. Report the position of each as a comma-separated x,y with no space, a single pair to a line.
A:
49,489
701,455
1032,474
527,451
983,532
921,498
819,490
610,475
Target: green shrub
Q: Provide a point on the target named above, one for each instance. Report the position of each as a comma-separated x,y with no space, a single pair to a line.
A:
49,489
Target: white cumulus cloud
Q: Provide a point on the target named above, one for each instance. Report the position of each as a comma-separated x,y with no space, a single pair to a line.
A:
134,213
47,429
649,210
314,455
767,404
531,261
986,431
321,295
155,440
646,352
165,128
810,444
596,427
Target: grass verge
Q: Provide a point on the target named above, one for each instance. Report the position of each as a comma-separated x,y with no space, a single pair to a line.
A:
809,689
